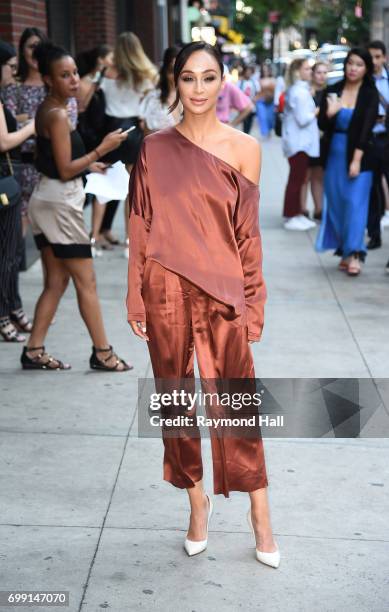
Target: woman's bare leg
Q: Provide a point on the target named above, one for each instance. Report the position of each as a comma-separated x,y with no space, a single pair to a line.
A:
260,516
56,279
98,211
24,225
84,278
198,512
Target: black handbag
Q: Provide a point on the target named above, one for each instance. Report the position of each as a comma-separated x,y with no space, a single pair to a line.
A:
278,124
10,190
127,152
91,123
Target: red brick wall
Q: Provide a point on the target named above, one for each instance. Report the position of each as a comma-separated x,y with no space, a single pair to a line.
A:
144,25
16,15
94,23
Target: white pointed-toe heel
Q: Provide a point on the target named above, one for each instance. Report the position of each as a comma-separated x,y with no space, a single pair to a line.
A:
268,558
192,547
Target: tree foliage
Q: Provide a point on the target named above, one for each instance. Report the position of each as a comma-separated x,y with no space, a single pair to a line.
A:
331,19
336,18
291,12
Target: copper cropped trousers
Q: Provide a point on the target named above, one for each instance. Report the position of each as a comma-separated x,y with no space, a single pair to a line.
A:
181,319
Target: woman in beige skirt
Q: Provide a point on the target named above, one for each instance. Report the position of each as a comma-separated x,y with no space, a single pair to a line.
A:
56,216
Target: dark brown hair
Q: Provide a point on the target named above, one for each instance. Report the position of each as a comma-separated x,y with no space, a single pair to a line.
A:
23,68
365,56
183,57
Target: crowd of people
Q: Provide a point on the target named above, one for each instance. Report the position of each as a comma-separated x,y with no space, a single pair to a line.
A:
337,139
61,118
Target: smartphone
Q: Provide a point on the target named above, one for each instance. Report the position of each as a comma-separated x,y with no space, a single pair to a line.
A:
129,129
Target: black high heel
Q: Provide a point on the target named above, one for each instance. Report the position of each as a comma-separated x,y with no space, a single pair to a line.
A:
96,363
36,363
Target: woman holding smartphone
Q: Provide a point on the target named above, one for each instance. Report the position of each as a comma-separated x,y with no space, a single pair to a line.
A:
195,284
348,112
22,99
56,215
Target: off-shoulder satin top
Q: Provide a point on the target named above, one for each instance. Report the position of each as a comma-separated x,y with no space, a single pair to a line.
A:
197,216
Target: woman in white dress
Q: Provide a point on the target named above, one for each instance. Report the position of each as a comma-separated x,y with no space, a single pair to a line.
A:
125,85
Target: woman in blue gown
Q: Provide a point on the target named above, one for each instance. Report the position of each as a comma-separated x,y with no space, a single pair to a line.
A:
347,116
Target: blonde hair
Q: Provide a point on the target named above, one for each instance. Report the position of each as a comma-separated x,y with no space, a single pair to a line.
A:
318,64
131,62
292,74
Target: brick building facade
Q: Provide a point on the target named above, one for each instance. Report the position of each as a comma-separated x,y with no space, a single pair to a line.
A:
83,24
15,15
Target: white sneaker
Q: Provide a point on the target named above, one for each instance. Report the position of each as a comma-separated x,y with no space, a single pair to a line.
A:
385,220
307,222
296,224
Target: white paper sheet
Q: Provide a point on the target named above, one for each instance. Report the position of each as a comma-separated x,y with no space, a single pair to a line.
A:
113,185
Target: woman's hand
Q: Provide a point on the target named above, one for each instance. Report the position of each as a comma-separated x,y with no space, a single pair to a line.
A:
355,168
112,141
139,329
333,105
99,167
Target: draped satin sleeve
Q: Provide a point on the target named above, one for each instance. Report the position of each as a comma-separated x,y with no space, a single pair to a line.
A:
138,232
248,239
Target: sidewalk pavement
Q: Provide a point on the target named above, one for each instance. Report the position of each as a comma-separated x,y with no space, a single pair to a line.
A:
84,507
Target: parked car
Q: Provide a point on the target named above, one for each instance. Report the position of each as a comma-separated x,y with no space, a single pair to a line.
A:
334,56
304,53
337,60
327,52
334,76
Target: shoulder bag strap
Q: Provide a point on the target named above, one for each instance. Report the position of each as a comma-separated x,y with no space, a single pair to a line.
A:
9,162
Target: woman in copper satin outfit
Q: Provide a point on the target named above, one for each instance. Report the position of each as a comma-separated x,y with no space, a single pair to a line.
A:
195,279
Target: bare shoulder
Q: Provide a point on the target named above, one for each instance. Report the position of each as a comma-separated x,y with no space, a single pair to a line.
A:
51,121
55,115
248,144
248,153
240,140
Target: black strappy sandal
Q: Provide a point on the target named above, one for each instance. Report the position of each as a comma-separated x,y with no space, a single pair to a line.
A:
21,321
9,332
42,361
96,363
